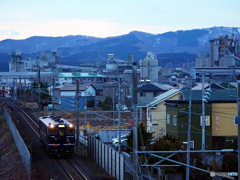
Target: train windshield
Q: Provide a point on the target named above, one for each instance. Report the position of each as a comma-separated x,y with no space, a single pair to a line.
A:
52,131
70,130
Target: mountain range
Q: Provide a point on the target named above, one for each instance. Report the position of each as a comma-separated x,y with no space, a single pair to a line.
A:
174,47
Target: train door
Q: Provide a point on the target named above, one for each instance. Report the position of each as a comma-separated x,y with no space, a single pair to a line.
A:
61,135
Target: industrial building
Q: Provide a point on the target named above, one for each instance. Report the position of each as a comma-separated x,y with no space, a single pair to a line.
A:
113,64
223,59
149,67
47,61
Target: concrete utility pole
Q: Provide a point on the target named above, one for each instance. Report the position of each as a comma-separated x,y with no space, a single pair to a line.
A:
85,109
140,111
119,114
20,93
25,88
189,130
114,94
53,97
77,114
39,108
203,114
238,104
135,120
32,93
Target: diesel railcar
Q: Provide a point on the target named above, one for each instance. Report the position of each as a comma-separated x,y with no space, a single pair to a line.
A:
57,135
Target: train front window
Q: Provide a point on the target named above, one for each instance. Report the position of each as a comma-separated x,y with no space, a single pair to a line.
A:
52,131
70,131
61,132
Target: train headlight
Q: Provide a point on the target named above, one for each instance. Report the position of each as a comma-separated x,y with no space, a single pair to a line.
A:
51,126
70,125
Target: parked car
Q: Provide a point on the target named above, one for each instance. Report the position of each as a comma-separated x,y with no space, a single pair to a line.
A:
124,145
116,140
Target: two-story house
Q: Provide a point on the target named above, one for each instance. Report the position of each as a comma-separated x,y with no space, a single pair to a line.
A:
152,90
156,121
68,95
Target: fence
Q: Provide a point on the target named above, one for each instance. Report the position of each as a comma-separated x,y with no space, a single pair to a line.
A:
22,149
107,158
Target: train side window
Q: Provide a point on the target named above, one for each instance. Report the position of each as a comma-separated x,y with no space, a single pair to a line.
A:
52,131
61,132
70,131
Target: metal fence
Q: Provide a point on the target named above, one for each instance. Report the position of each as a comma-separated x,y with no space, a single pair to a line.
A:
22,148
107,158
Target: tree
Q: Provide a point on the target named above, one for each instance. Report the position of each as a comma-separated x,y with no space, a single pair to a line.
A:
230,162
44,94
90,103
144,139
107,104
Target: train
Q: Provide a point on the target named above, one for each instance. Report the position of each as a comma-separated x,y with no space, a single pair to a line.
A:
57,135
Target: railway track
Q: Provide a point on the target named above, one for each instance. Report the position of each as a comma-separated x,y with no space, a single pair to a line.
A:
70,169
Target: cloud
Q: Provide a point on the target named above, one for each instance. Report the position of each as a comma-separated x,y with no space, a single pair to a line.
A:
8,33
63,27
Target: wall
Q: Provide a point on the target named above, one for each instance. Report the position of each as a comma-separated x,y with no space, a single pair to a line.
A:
159,117
181,130
107,158
225,113
22,148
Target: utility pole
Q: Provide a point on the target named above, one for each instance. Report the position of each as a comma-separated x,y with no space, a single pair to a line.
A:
14,98
77,114
20,93
135,120
114,94
39,93
140,111
25,86
189,130
238,105
203,114
85,109
53,97
32,93
119,114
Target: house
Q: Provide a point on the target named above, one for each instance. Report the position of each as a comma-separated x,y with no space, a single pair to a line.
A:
221,117
99,92
83,77
68,95
152,90
156,121
177,122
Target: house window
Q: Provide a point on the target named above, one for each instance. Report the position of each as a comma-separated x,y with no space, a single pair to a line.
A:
207,120
155,124
142,94
168,118
217,117
154,94
148,113
174,120
235,120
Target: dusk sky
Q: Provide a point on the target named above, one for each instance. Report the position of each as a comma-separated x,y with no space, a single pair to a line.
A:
20,19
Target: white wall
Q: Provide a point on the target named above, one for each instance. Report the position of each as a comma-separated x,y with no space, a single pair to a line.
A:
90,91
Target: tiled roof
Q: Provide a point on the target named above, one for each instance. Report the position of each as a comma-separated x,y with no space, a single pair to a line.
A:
153,87
73,87
97,86
216,94
163,97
